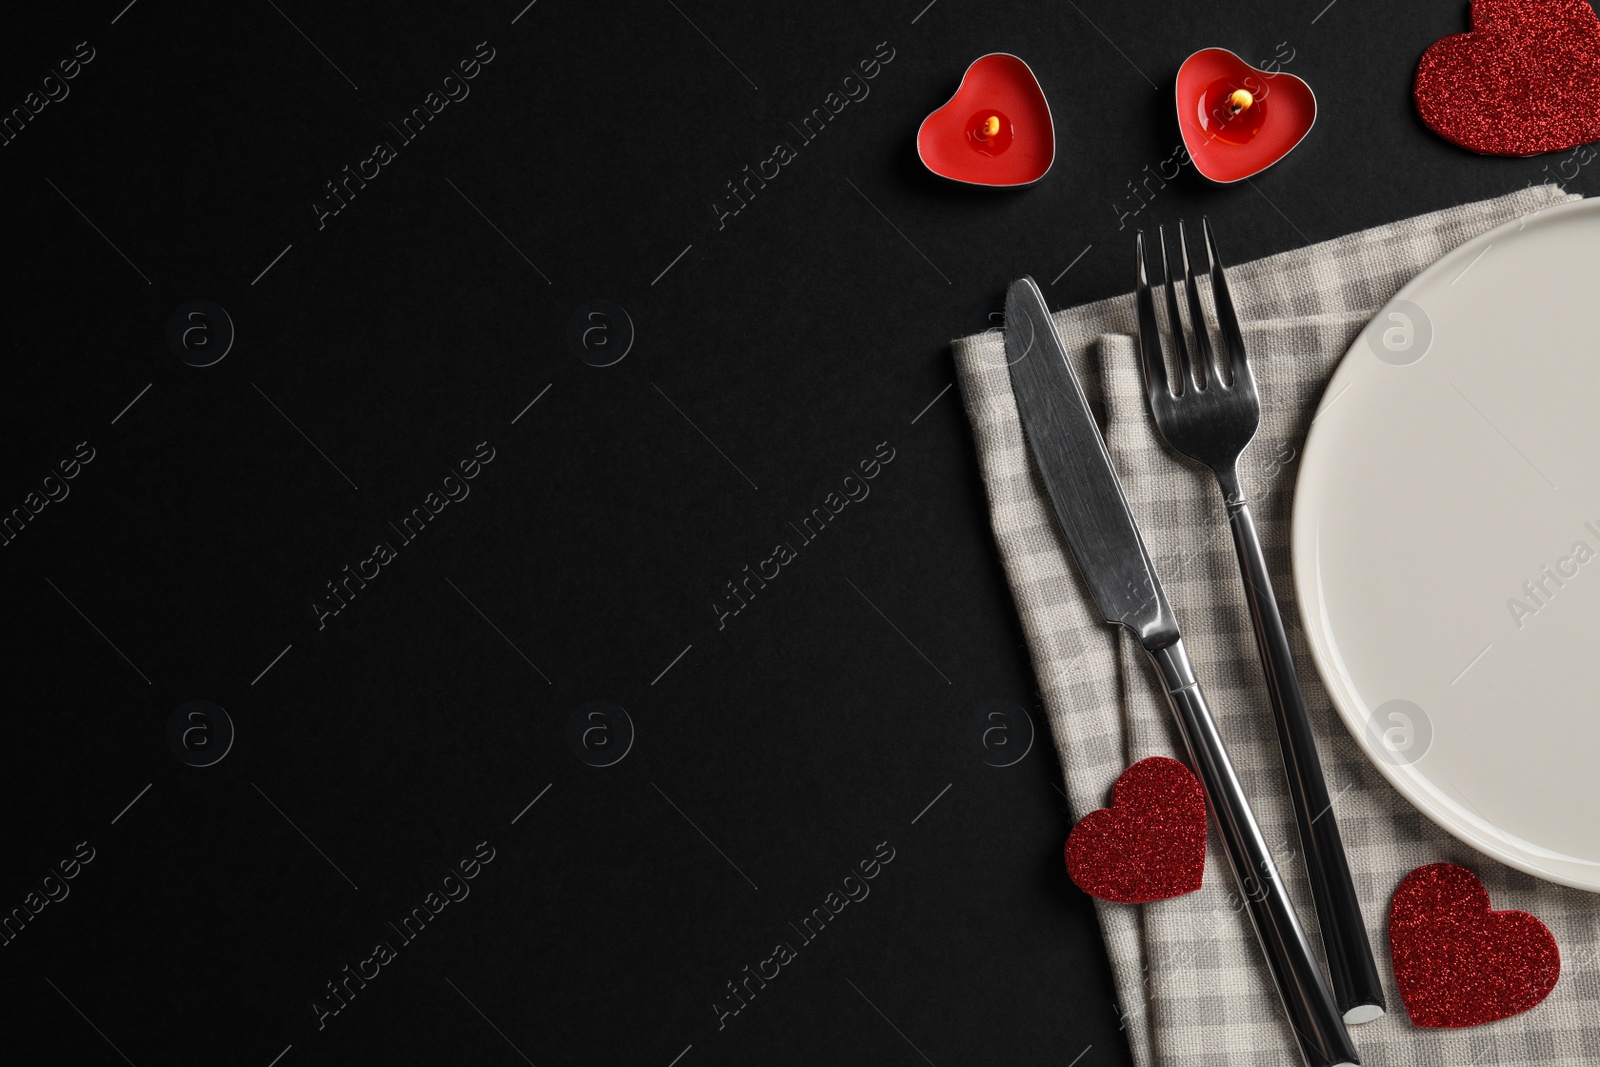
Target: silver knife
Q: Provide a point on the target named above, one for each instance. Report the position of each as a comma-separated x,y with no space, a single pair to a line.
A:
1110,554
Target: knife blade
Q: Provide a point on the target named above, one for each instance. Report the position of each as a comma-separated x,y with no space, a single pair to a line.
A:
1080,479
1104,540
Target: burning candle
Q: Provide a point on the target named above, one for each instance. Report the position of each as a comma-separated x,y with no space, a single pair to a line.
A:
1236,120
1233,115
995,131
990,133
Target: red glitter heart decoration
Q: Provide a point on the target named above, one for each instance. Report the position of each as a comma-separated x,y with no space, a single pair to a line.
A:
995,131
1457,962
1525,80
1150,844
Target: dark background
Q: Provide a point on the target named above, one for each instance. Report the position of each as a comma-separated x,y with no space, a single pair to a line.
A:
770,359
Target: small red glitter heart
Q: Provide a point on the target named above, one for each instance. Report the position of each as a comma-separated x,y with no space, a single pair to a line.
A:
1150,844
995,131
1228,141
1457,963
1524,81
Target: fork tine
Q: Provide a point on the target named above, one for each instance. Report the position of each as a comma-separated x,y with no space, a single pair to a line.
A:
1204,367
1155,365
1186,373
1227,317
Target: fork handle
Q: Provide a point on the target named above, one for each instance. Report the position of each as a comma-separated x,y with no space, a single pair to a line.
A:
1344,935
1309,1005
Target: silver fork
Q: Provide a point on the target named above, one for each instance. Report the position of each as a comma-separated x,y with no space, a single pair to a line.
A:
1212,420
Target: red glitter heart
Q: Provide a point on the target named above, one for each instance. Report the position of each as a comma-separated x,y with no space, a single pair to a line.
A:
1524,81
1150,844
1458,963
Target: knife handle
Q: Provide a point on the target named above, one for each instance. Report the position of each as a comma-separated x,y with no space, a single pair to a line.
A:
1323,1039
1357,987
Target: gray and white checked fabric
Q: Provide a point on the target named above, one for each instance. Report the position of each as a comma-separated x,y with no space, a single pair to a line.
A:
1192,985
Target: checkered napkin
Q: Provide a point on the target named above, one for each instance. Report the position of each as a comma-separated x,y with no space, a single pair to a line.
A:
1192,986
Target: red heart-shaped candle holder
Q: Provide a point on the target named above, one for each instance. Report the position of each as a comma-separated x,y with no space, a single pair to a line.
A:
1457,963
1236,120
1150,844
996,131
1525,80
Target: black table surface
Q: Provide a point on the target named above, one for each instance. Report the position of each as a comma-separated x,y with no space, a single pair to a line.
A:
552,774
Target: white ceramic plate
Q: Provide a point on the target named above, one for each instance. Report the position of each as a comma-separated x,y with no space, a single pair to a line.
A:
1446,542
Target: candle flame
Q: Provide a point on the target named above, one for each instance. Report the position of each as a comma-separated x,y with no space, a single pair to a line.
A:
1240,100
991,126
